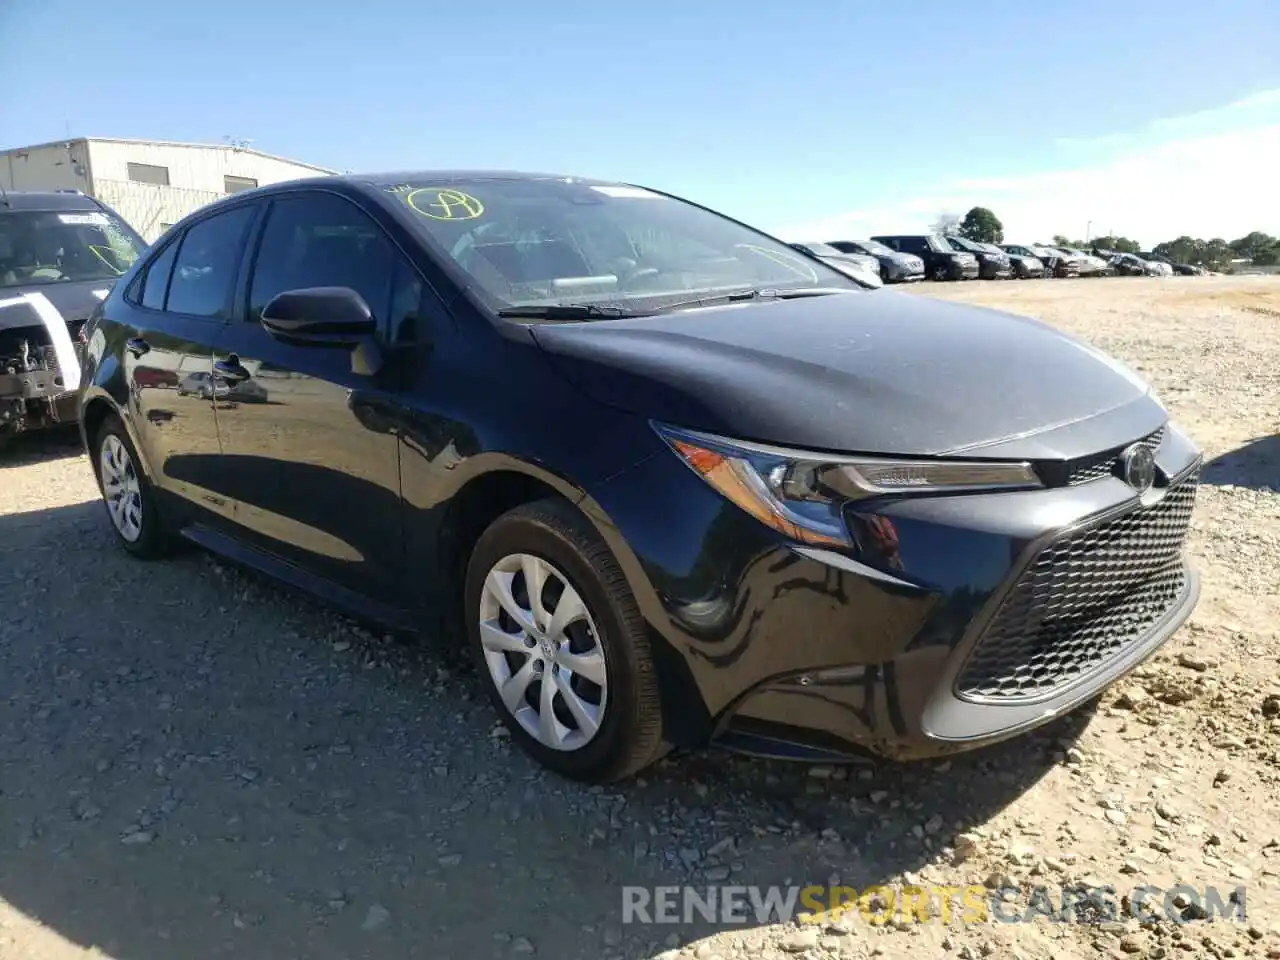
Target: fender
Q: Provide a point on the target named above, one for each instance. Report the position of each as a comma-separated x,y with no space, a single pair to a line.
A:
94,395
491,462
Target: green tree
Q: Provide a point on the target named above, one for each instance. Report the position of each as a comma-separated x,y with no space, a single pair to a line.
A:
1183,250
1253,244
1118,244
1217,252
982,226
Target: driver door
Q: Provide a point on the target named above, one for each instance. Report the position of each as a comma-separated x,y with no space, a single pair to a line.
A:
313,485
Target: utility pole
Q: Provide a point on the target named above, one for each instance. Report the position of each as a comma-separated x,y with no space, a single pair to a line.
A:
1088,232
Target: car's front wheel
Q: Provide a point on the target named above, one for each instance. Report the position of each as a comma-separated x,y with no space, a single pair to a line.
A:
561,645
128,495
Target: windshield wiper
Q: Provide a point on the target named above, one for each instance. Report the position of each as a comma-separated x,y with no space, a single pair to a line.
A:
567,311
756,294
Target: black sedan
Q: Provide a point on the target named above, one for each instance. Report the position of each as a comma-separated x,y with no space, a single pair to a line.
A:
895,267
993,263
671,480
1055,262
1024,266
941,260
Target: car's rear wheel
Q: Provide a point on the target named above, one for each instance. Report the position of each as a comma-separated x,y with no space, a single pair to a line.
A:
561,645
128,495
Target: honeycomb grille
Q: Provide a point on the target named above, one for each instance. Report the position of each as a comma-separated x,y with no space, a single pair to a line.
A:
1083,600
1095,468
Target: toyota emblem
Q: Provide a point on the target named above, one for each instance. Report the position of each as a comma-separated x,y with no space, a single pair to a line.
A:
1138,467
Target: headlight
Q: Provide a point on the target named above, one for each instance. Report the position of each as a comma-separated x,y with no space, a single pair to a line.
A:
801,494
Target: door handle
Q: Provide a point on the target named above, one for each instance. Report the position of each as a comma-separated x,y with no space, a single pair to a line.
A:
137,346
230,370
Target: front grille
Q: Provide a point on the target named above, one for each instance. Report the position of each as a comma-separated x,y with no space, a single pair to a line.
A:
1104,465
1083,600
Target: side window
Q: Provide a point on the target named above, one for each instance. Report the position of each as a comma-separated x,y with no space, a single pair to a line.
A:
156,279
205,272
321,240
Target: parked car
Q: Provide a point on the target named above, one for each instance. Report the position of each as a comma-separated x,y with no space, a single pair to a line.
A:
59,254
611,434
1078,264
941,260
1023,266
895,267
1129,265
1048,260
218,386
993,263
1180,269
1089,265
864,269
1055,262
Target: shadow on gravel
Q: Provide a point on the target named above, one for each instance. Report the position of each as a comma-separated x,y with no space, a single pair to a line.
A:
195,763
39,446
1256,465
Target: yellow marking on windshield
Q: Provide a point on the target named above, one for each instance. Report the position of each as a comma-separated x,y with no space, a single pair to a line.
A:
796,266
98,249
444,204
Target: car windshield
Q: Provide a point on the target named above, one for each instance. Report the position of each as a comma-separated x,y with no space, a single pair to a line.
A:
871,246
940,244
61,246
990,248
960,243
559,242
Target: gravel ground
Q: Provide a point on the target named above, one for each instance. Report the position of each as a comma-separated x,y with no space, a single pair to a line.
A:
197,763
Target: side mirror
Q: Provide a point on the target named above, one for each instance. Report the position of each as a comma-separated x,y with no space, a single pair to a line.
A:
335,317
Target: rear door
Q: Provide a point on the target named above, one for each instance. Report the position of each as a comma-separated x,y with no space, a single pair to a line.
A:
177,306
314,483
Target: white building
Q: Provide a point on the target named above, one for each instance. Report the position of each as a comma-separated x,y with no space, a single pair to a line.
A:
150,183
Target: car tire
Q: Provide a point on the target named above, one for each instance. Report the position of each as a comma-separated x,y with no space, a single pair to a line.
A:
939,274
566,719
128,496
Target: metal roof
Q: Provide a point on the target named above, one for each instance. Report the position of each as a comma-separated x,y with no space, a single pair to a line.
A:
169,143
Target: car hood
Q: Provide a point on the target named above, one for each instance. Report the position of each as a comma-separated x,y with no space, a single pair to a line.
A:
861,373
24,305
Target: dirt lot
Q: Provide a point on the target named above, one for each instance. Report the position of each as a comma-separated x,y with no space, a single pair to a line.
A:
195,763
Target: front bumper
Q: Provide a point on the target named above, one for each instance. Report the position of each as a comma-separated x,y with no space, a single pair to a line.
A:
965,271
995,270
975,619
902,273
35,399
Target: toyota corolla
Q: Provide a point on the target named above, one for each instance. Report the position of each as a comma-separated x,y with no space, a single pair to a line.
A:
670,481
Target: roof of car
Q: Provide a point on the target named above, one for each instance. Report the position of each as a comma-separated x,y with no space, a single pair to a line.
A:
46,200
365,181
446,176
